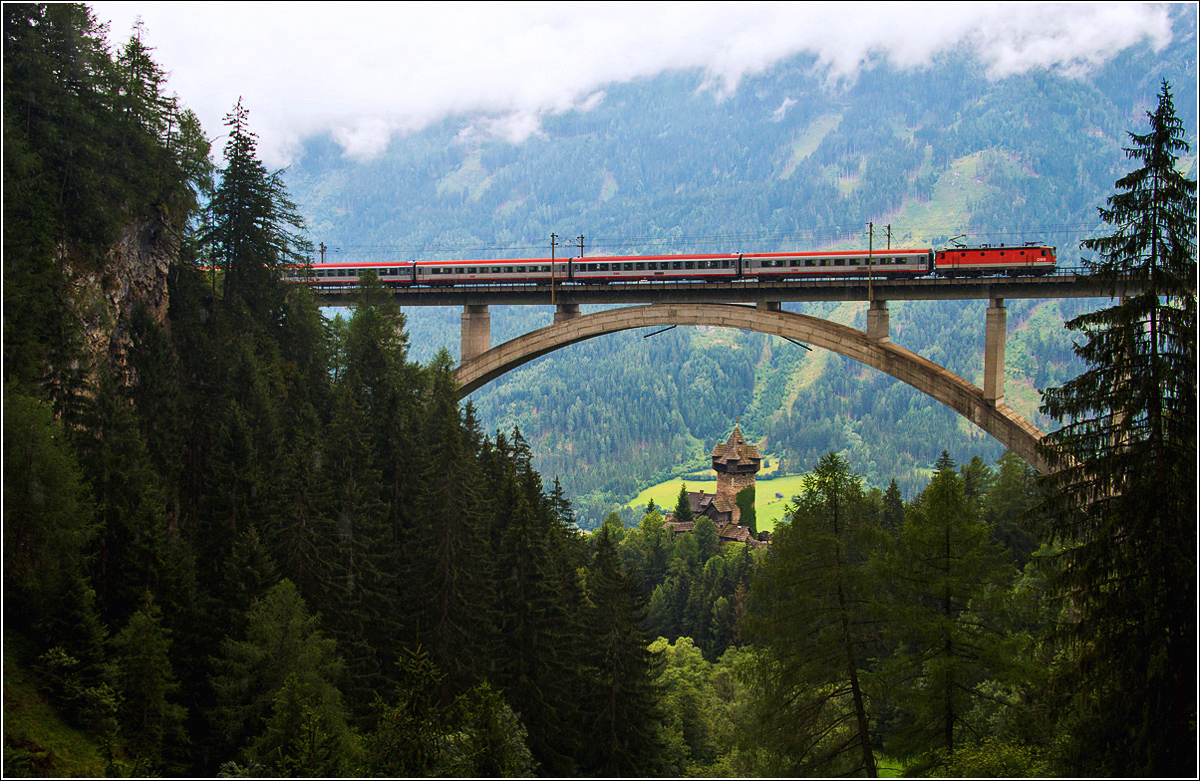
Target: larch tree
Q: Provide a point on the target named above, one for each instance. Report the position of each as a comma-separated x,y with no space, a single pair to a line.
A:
949,580
813,618
1121,504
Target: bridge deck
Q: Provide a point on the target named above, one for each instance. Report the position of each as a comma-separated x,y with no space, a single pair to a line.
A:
744,291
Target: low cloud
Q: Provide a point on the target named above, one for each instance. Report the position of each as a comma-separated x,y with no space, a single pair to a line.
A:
367,71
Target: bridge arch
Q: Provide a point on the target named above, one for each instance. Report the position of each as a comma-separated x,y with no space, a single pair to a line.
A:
1002,423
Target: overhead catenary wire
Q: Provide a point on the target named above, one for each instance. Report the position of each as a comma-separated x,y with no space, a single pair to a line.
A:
718,242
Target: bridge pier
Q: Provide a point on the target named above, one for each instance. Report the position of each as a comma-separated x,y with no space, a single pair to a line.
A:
878,322
993,351
476,331
564,312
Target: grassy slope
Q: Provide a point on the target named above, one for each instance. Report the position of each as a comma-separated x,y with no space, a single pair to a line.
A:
770,509
37,743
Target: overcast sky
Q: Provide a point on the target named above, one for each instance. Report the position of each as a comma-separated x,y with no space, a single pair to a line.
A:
365,71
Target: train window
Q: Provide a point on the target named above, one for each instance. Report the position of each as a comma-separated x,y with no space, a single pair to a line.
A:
839,261
809,262
520,269
629,267
689,264
472,270
652,267
676,265
640,267
495,269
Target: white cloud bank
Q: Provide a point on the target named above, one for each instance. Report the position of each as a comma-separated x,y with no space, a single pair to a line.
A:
366,71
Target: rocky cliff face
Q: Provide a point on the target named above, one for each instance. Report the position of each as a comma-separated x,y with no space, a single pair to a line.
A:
134,274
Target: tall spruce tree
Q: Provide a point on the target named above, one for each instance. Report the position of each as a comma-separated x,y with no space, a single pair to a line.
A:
625,723
256,228
1122,501
450,569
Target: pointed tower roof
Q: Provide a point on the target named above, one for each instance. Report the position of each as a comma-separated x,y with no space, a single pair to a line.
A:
736,450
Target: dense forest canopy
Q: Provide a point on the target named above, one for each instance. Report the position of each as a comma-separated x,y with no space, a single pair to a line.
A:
244,536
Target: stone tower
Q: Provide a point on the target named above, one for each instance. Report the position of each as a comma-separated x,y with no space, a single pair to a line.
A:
736,464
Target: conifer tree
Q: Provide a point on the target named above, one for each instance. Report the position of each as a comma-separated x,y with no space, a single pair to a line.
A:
48,526
451,566
622,703
260,680
1122,499
892,517
256,228
708,543
683,507
1010,497
539,636
949,579
152,722
813,617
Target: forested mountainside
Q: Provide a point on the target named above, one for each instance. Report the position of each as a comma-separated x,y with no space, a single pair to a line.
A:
245,539
788,161
242,539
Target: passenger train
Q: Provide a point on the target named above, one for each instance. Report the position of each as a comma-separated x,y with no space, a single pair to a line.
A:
1031,259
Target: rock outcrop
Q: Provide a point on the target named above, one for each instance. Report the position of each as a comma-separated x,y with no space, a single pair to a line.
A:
134,274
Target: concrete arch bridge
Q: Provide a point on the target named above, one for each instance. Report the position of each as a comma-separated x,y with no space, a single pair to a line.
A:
982,406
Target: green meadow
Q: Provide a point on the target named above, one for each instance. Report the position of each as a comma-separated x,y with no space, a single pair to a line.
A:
769,507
